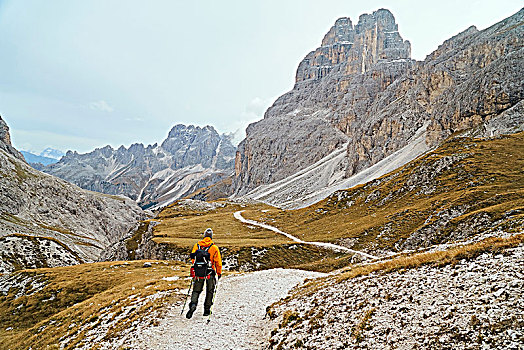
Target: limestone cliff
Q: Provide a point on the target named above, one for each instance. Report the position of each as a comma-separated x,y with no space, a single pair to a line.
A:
374,38
5,141
360,92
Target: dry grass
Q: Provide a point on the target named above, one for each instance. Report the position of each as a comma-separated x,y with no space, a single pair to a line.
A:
439,258
14,219
364,324
403,262
182,227
486,178
78,298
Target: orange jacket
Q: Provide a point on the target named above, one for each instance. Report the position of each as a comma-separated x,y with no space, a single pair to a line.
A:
214,252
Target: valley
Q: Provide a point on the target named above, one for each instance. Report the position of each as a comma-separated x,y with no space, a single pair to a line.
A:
379,204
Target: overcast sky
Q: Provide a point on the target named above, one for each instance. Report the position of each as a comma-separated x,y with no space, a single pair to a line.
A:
83,74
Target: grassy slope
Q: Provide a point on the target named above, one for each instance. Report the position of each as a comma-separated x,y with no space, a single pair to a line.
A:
452,255
80,298
181,228
221,189
485,179
321,289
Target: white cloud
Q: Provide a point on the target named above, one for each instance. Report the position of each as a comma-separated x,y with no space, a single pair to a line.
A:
258,105
41,139
254,111
240,132
101,106
135,119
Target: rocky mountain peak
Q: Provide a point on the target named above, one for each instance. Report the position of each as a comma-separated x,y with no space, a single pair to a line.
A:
4,133
189,158
106,151
375,38
5,141
182,131
361,91
381,19
341,32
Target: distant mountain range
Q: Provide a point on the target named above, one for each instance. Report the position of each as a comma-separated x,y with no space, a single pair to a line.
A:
46,157
52,153
191,157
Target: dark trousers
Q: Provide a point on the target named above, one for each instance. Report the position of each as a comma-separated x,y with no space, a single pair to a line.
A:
198,286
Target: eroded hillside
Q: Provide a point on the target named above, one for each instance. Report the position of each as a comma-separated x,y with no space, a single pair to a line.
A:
47,222
466,189
468,297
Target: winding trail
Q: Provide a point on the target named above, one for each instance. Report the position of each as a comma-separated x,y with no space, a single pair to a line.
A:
238,320
238,216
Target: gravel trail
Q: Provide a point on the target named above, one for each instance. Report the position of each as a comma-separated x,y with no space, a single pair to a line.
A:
238,320
238,216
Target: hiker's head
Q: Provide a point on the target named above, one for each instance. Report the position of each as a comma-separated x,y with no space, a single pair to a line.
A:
208,233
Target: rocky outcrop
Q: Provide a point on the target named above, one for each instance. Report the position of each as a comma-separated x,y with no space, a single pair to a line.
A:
373,39
466,305
45,221
361,92
189,158
5,141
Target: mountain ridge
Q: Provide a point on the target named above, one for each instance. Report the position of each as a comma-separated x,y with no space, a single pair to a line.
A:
191,157
375,112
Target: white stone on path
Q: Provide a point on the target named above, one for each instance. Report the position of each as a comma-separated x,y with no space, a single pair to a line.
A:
238,320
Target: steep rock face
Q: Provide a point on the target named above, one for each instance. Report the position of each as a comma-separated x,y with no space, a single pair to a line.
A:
45,221
485,77
5,141
374,38
189,158
334,84
382,108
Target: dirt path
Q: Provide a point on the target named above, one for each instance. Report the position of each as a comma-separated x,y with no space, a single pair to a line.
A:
238,216
238,320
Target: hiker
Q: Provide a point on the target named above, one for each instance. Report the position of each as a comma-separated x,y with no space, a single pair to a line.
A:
207,265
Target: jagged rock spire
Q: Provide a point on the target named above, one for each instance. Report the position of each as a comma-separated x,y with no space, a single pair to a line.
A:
374,38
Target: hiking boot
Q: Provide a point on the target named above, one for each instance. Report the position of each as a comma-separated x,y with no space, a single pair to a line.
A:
207,312
192,309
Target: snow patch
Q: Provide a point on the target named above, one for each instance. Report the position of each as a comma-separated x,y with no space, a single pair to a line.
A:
172,278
